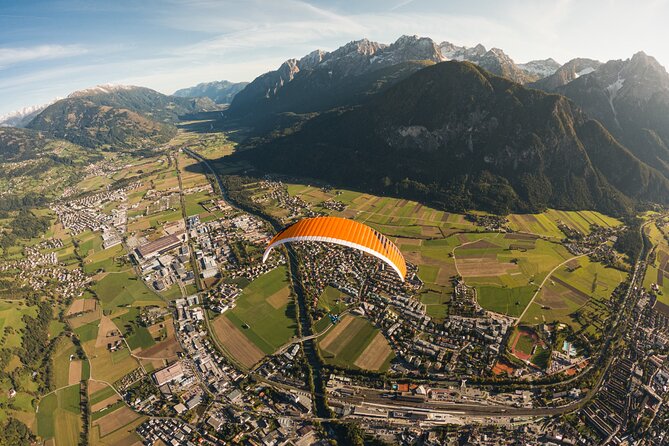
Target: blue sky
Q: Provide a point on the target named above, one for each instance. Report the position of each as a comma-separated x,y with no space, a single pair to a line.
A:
51,48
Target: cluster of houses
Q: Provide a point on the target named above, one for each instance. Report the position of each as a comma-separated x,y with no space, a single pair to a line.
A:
39,268
284,367
169,432
220,245
276,192
459,344
223,297
86,213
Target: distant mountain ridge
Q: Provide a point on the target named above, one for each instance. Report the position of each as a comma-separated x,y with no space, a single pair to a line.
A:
116,116
454,134
312,78
304,85
221,92
629,97
21,118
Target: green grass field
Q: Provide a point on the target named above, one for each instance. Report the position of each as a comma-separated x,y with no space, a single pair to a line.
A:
87,332
59,416
89,242
121,289
269,326
576,295
331,300
511,301
108,260
661,254
193,206
11,322
345,349
136,335
436,304
61,361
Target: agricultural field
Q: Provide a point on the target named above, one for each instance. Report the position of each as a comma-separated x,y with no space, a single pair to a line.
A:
58,416
576,294
137,336
110,260
124,288
66,372
506,269
355,343
546,224
115,426
192,173
657,273
105,365
264,316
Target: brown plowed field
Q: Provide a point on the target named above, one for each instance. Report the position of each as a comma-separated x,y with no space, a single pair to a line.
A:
375,354
235,343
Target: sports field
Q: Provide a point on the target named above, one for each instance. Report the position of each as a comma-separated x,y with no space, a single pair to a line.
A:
264,313
355,343
577,295
526,345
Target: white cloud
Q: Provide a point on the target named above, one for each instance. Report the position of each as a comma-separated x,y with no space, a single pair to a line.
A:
13,56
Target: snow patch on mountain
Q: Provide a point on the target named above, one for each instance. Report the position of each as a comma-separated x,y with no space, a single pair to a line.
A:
583,72
612,91
98,89
21,117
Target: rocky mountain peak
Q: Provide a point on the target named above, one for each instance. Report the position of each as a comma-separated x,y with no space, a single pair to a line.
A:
571,70
312,59
540,68
409,48
101,89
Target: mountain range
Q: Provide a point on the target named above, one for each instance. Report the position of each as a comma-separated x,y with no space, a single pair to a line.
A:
594,139
456,135
21,118
322,80
461,127
221,92
122,117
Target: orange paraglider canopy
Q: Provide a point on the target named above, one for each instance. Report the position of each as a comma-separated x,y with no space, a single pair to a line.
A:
342,231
